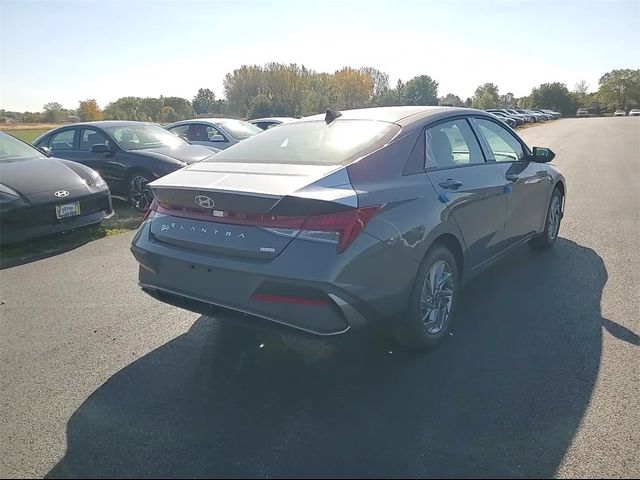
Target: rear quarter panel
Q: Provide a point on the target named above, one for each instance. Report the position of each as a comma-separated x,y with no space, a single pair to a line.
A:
413,217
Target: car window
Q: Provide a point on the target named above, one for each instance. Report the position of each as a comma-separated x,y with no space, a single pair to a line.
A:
503,145
239,129
140,136
211,131
451,144
311,143
11,148
196,132
89,138
62,140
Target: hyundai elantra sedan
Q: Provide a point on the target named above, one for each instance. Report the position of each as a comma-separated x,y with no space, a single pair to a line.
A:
335,221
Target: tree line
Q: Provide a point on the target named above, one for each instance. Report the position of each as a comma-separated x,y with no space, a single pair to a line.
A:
276,89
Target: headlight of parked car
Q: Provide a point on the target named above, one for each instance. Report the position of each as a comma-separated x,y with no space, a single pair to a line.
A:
97,181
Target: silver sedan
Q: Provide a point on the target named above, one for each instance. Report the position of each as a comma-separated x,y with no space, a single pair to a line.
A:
214,133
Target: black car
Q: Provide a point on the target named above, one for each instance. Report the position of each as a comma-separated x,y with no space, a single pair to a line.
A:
127,154
41,195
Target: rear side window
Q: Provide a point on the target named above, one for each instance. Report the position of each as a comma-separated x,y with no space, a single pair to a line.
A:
451,144
503,145
312,143
62,140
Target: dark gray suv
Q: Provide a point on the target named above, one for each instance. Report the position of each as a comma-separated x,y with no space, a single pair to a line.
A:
334,221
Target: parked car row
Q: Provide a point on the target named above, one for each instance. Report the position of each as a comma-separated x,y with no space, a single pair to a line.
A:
514,117
634,112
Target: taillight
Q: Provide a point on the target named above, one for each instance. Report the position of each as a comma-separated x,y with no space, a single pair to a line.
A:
340,228
152,208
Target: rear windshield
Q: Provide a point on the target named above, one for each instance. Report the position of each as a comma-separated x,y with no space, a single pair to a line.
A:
312,143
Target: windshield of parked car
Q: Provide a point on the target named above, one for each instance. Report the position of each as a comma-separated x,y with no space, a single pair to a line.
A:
240,130
312,143
12,148
142,136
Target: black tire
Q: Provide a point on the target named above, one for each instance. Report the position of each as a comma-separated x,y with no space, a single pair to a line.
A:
412,330
140,200
552,221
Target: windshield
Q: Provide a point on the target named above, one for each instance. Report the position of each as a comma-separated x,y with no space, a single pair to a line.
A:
311,143
12,148
240,130
143,135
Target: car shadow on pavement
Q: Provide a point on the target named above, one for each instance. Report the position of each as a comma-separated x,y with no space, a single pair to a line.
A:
503,397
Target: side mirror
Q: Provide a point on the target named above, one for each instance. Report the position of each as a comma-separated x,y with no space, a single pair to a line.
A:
543,155
100,148
216,138
46,151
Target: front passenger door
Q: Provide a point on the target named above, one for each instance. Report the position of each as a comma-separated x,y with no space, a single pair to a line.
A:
472,188
527,184
98,161
63,144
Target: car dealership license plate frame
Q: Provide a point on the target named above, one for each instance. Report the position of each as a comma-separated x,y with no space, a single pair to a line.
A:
67,210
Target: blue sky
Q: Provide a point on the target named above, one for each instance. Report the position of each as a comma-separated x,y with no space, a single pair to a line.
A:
68,51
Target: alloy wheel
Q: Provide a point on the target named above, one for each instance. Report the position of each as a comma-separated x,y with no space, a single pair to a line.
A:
140,194
436,298
554,217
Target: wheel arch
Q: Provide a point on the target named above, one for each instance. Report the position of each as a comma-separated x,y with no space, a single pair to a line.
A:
451,243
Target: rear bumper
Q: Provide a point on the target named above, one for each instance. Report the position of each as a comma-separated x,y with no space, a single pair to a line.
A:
313,307
311,290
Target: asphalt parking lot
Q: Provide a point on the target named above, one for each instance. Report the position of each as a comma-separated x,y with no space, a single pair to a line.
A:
540,378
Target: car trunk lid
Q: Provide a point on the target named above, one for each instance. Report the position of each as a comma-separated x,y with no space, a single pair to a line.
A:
249,210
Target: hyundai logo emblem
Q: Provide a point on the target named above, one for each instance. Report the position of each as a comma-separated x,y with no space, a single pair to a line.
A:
61,193
204,201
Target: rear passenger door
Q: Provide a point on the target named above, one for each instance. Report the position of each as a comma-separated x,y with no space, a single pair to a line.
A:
471,187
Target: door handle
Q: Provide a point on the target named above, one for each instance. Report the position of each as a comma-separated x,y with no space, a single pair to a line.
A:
451,184
511,177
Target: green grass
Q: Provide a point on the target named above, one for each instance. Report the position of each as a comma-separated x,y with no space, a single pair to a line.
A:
125,219
28,135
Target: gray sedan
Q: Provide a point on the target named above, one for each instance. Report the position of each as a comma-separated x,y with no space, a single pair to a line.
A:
214,133
335,221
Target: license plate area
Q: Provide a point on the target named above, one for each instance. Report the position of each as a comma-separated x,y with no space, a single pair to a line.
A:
67,210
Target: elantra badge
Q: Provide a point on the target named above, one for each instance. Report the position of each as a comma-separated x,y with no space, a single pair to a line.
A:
204,201
61,193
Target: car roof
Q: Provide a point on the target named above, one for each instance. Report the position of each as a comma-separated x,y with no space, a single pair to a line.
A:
208,120
270,119
403,116
108,123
